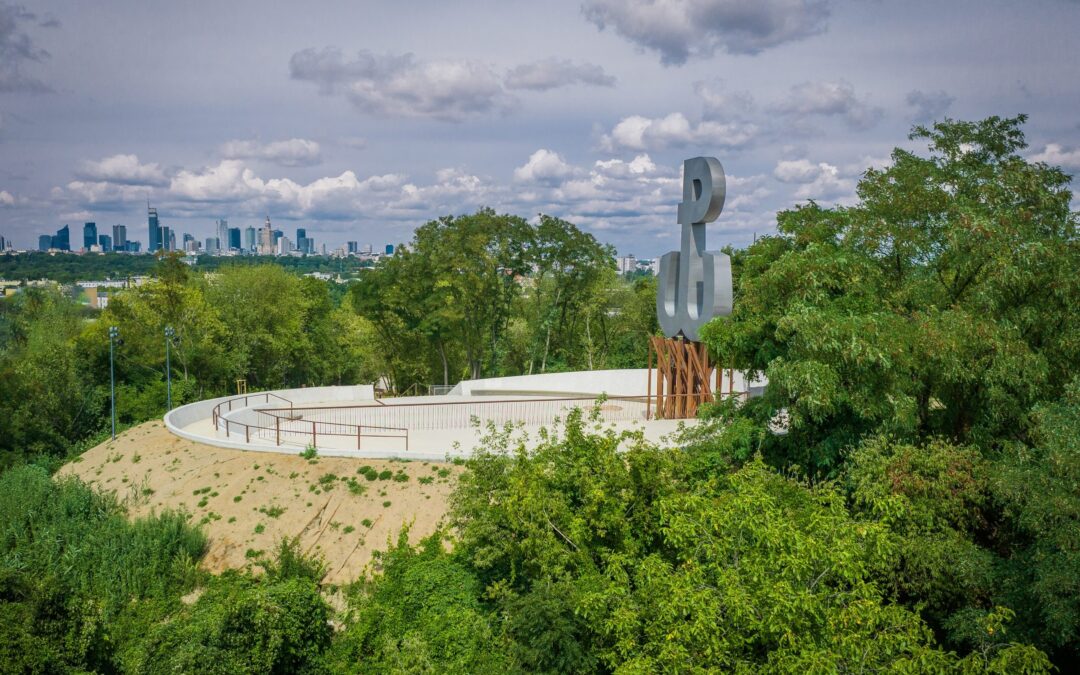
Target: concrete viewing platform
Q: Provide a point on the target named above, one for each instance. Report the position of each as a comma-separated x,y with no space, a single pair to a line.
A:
349,421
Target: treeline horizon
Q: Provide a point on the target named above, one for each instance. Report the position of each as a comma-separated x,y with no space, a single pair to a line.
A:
917,511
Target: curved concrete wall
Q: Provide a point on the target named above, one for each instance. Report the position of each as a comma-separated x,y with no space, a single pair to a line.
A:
178,419
625,382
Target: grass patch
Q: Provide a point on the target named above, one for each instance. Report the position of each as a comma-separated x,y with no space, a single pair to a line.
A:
272,511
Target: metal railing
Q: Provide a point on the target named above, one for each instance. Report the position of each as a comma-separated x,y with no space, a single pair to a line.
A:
287,428
305,425
429,415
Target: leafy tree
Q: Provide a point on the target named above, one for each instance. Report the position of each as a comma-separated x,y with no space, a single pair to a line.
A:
47,398
243,625
1038,490
944,303
423,614
264,308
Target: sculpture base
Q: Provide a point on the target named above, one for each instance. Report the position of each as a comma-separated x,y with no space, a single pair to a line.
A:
684,378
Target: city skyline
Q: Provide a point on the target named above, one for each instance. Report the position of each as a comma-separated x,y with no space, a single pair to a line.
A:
362,123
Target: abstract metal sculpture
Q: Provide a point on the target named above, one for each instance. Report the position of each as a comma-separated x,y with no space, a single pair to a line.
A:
695,284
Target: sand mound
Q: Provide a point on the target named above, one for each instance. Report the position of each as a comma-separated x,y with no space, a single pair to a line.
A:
248,501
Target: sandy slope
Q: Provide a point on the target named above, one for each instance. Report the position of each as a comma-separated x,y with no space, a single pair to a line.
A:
151,469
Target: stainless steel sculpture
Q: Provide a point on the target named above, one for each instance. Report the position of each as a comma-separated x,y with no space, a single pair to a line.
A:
695,284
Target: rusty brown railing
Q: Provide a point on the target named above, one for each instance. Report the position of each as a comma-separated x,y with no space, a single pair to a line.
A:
290,433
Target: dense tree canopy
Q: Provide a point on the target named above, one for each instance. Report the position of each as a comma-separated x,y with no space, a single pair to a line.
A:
922,343
484,294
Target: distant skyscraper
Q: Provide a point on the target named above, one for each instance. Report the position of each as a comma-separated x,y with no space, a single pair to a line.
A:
44,242
278,234
89,235
62,240
155,242
212,245
301,240
223,233
389,249
250,241
234,238
266,239
352,247
119,237
171,238
105,241
284,246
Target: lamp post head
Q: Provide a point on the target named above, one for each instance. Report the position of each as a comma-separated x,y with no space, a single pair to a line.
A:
113,331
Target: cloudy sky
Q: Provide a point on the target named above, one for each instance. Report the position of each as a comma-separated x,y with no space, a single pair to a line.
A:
361,120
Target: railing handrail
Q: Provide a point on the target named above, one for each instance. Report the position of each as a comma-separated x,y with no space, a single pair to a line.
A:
478,400
357,429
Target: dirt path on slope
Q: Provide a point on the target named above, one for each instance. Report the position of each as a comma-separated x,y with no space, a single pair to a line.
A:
248,501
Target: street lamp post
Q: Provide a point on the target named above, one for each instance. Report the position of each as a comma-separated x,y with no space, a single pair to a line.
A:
169,333
113,333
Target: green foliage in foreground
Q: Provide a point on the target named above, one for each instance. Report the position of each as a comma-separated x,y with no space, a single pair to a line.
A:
579,557
84,589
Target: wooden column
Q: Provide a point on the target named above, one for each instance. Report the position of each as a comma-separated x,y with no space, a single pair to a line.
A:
683,379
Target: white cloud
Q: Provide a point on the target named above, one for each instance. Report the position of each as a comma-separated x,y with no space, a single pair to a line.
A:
796,171
402,86
122,170
675,130
724,104
1056,155
553,73
292,152
680,29
830,99
821,182
544,166
6,198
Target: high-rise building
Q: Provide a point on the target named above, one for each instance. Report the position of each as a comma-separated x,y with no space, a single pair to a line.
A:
278,234
119,237
154,226
389,249
44,242
211,245
105,241
250,241
171,238
352,247
284,246
234,238
223,233
61,241
301,240
266,239
89,235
